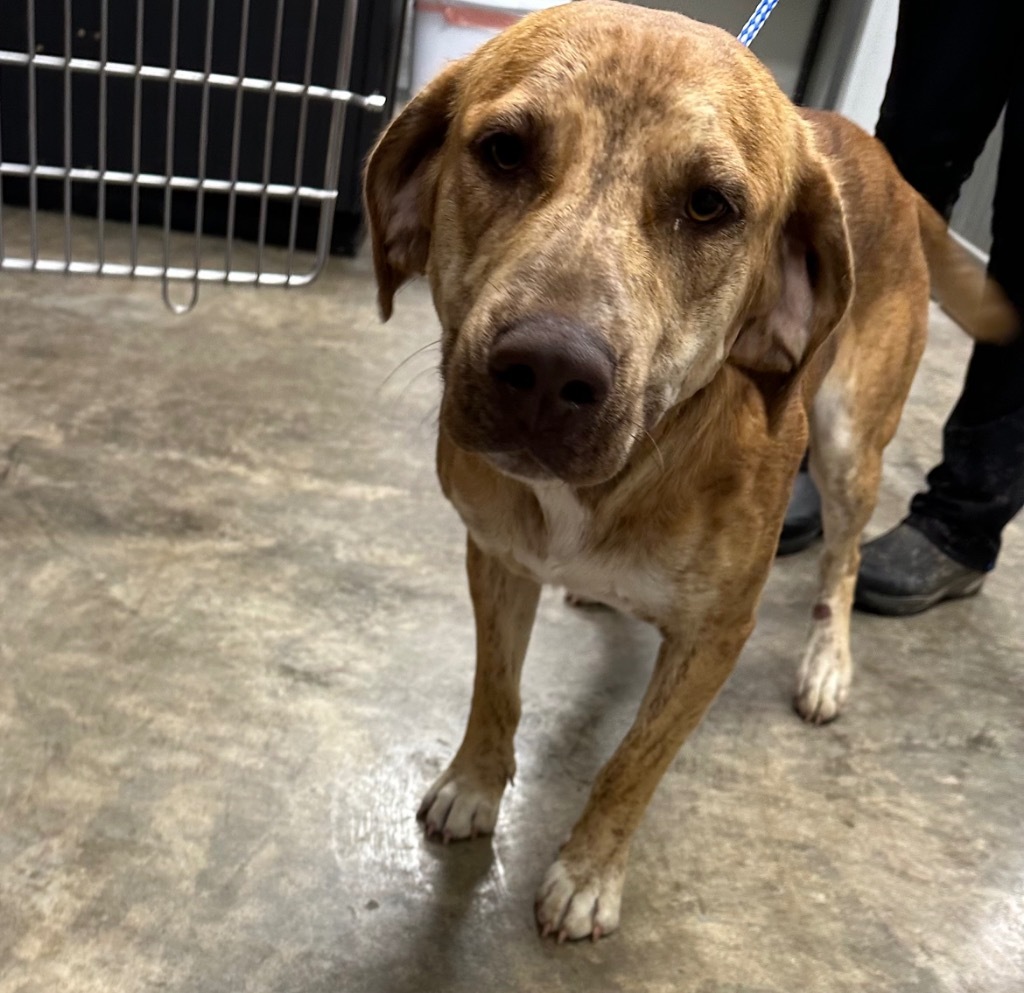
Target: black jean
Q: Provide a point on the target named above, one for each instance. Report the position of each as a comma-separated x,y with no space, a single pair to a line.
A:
956,66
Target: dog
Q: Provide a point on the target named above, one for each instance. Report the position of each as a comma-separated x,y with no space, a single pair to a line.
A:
658,281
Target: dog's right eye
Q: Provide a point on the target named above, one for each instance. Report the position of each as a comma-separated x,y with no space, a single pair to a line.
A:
504,151
706,204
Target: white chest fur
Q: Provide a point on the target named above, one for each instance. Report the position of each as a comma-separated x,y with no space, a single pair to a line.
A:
567,524
568,552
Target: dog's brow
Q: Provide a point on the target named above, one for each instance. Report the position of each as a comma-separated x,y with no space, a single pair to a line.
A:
702,167
516,118
732,186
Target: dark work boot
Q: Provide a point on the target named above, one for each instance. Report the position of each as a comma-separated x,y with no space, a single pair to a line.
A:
903,572
802,525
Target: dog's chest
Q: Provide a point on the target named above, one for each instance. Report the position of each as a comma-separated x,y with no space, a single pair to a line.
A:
568,550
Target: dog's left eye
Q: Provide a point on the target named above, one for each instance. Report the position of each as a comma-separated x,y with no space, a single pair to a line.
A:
504,151
706,204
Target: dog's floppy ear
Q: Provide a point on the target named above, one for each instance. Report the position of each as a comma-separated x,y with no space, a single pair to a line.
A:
808,289
400,185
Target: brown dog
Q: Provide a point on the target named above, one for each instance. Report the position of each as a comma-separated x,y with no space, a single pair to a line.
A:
643,258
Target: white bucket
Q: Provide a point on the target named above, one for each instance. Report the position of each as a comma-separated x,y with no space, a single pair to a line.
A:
448,29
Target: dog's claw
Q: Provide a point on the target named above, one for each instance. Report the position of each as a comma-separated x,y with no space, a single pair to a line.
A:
434,833
576,901
824,677
460,806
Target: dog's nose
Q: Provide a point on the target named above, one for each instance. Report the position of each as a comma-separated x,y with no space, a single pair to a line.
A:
552,374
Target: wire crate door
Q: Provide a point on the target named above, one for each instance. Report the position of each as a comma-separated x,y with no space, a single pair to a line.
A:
220,118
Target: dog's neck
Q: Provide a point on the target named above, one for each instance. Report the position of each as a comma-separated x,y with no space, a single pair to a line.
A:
566,518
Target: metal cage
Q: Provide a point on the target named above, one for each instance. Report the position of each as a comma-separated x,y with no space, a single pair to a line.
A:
122,124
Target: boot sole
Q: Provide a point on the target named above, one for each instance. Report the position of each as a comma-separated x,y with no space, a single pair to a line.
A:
798,542
897,605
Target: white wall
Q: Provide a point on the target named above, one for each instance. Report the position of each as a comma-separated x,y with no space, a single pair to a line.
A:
862,92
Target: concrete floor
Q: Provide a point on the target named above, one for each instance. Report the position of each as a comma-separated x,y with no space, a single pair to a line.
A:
235,647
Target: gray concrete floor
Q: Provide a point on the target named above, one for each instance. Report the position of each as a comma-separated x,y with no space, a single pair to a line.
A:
235,646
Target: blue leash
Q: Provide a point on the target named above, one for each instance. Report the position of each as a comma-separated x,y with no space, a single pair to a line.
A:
749,30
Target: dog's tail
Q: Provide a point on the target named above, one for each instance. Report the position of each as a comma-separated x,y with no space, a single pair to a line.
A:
961,286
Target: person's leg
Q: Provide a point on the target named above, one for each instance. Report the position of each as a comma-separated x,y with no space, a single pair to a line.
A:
979,485
950,77
978,488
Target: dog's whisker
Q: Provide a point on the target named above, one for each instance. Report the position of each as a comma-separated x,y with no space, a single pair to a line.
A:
362,409
401,365
657,450
433,415
418,375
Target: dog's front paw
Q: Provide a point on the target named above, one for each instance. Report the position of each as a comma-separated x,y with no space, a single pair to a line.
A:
461,804
824,678
578,899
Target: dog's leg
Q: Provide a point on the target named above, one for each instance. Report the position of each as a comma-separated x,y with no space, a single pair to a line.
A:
582,890
846,466
464,801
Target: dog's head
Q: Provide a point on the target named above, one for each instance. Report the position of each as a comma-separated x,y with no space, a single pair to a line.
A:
610,203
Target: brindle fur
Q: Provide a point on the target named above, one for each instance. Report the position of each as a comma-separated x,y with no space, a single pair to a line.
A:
733,345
